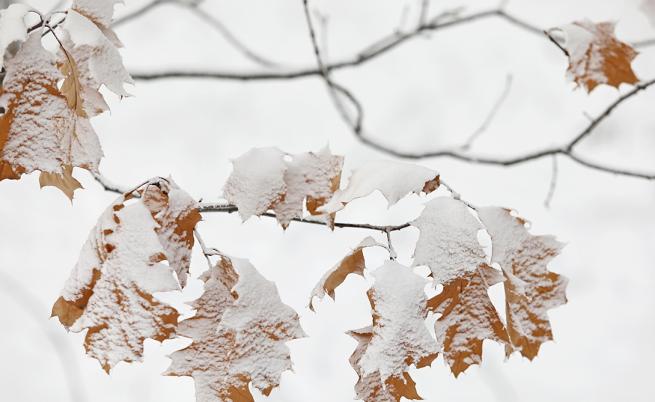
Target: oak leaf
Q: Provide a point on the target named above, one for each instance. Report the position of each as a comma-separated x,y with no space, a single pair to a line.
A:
39,131
398,338
448,242
467,318
393,179
239,335
596,56
110,291
266,179
353,263
530,288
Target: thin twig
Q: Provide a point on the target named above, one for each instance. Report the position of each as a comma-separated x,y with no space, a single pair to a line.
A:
491,115
553,183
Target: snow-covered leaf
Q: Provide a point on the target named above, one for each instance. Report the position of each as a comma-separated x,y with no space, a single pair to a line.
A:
393,179
110,291
102,62
239,335
596,56
13,29
398,338
176,214
311,179
530,289
467,318
353,263
448,242
39,131
266,179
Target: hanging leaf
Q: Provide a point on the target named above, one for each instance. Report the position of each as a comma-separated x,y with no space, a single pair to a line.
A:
467,318
530,289
398,338
176,214
353,263
311,179
393,179
239,335
596,56
266,179
448,243
39,131
110,291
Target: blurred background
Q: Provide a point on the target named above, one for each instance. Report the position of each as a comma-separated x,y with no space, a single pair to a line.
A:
431,92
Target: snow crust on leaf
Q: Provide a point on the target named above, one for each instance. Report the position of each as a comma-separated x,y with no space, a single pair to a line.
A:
353,263
39,131
101,57
309,176
101,12
448,242
239,335
257,181
12,28
176,214
397,339
596,56
393,179
110,291
467,318
263,179
530,289
648,7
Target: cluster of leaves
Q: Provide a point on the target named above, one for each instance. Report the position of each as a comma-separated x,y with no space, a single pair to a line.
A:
240,327
49,98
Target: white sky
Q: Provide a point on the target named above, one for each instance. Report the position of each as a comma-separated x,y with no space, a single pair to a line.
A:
429,93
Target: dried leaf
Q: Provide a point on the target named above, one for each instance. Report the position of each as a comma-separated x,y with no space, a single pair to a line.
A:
266,179
448,243
239,335
530,289
39,131
596,56
353,263
397,339
110,291
257,181
393,179
313,177
13,29
467,318
102,62
176,214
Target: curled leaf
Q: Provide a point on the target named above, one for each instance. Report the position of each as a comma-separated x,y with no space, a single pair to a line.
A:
530,288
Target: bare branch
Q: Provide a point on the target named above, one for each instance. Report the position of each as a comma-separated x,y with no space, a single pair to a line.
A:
492,113
553,183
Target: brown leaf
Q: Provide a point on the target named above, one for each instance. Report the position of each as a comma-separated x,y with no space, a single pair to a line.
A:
39,131
353,263
110,291
64,181
398,338
467,318
176,214
239,335
530,288
596,56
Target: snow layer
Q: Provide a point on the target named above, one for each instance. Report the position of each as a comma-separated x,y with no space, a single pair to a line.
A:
12,28
448,243
393,179
400,336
